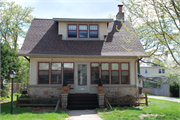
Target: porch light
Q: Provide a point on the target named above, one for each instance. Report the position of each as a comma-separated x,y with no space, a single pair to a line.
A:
12,75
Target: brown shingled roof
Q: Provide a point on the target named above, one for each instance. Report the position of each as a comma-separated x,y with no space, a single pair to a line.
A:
43,38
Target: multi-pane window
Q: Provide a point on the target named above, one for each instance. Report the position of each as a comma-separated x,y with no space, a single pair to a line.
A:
105,73
125,73
159,70
94,73
43,73
56,73
163,70
83,31
93,31
69,72
114,73
72,31
146,71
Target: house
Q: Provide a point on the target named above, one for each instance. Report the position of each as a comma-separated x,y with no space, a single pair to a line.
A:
82,51
148,70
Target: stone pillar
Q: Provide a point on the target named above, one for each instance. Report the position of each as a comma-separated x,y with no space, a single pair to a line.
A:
64,100
101,99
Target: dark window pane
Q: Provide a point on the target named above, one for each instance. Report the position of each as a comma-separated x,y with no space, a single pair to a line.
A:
93,34
72,34
82,33
163,70
94,66
68,75
72,27
115,76
105,76
68,66
125,76
43,76
93,27
159,70
56,77
94,76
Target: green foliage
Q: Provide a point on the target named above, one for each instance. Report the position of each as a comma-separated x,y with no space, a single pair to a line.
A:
9,61
156,23
100,82
64,83
23,72
14,18
174,89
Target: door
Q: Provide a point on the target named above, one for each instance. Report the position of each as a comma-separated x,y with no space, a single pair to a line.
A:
82,78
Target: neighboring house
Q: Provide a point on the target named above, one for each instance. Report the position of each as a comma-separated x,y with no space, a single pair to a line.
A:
82,51
148,70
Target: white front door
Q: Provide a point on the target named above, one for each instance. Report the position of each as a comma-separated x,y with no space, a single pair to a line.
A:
82,78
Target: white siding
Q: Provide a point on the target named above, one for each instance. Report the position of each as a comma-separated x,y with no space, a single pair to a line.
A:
152,71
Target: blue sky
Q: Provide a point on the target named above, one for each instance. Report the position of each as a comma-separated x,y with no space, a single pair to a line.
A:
71,8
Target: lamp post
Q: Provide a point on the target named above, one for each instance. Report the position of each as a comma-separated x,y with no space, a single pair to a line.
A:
12,75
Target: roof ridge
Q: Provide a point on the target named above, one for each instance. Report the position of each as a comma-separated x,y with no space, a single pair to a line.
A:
42,19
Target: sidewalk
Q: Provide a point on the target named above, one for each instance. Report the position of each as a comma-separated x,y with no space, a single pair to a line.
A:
164,98
83,115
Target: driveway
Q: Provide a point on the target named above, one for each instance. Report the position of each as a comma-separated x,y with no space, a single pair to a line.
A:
83,115
164,98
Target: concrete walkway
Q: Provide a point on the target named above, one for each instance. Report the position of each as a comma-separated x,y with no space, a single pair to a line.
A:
83,115
165,98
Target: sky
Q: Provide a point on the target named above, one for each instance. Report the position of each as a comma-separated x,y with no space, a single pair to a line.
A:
70,9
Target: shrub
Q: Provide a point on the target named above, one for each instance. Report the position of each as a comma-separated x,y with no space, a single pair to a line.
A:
174,89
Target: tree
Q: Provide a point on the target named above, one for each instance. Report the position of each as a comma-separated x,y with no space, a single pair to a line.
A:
14,18
156,22
9,61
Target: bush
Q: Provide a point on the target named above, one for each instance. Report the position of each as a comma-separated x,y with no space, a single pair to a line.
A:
4,90
174,89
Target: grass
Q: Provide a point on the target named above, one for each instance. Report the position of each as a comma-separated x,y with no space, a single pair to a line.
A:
6,100
157,109
28,113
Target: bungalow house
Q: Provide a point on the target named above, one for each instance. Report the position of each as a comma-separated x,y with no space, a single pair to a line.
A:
82,51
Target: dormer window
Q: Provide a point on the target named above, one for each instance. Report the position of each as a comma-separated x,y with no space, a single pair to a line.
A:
83,31
93,31
72,31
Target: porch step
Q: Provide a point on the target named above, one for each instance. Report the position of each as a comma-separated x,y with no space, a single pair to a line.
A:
82,101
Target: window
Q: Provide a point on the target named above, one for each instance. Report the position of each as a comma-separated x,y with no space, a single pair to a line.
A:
72,31
94,73
105,73
43,73
83,31
163,70
125,79
114,73
146,71
69,72
56,74
93,31
159,70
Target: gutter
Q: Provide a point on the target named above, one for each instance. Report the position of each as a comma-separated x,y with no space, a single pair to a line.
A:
136,76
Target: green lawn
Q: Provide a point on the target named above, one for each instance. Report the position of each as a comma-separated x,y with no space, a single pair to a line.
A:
28,113
157,109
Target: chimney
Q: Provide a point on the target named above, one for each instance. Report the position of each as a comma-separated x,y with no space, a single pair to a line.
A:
120,14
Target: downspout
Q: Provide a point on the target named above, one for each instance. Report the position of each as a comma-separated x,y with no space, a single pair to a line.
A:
136,76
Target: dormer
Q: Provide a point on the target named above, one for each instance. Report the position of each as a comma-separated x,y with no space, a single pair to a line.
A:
82,29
